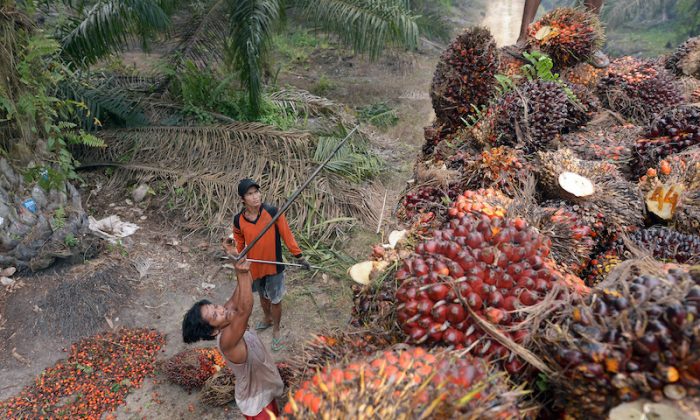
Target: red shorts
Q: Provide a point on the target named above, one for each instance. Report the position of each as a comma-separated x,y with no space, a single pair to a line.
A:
264,414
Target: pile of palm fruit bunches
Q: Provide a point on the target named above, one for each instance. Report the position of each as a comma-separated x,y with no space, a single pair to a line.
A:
546,262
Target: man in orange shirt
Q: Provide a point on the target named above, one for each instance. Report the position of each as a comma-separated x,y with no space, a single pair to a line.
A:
268,278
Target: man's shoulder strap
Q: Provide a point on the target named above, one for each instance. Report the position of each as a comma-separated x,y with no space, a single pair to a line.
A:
237,220
270,209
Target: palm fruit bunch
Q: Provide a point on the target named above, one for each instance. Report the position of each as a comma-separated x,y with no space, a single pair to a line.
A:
433,134
572,240
614,144
582,74
493,264
407,384
336,345
596,187
671,132
600,266
570,36
539,110
191,368
464,77
508,65
637,89
665,244
499,167
635,336
425,198
685,61
581,109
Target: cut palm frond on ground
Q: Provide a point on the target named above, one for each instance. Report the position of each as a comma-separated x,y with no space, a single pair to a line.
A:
202,166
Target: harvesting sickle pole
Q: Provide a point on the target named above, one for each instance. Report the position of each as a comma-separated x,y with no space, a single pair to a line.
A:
294,196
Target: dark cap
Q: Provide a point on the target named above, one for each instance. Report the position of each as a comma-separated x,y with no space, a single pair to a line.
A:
245,185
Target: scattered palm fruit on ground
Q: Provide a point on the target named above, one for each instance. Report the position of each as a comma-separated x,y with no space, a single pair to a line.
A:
534,114
685,61
570,36
191,368
665,244
95,379
637,89
582,74
671,132
635,336
595,186
464,77
493,264
408,384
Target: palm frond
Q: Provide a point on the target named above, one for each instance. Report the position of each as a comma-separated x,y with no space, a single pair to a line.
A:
366,25
203,38
100,101
108,25
252,23
202,166
353,161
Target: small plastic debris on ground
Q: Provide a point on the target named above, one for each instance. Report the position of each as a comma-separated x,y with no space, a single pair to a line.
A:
112,228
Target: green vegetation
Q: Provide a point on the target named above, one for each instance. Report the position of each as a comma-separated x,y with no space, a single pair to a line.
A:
379,114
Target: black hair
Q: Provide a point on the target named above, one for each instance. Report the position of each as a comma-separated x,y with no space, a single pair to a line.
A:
194,327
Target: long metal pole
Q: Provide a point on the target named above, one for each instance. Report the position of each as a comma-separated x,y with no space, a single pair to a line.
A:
294,197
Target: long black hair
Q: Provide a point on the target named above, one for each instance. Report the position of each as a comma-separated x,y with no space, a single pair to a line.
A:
194,327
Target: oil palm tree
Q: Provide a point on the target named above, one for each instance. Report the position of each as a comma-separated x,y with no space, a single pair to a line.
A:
238,30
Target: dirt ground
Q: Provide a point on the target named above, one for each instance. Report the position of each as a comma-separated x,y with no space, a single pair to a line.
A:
165,267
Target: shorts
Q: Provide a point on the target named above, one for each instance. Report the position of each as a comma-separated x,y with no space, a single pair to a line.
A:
271,287
265,413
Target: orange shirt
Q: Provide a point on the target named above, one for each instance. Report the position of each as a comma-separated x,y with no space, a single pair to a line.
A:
269,247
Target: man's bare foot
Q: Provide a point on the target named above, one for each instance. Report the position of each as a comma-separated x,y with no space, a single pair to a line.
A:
599,60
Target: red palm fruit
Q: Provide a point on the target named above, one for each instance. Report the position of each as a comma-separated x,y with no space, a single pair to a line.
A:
456,313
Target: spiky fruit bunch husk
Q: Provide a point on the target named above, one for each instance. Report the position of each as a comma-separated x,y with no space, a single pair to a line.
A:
496,266
614,144
616,200
191,368
635,337
671,132
337,345
464,77
583,74
689,88
572,239
406,384
637,89
570,36
664,244
499,167
219,390
582,109
685,61
534,113
433,135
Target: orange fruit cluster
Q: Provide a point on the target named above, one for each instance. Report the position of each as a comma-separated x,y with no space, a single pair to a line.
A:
191,368
411,377
483,201
95,379
573,35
